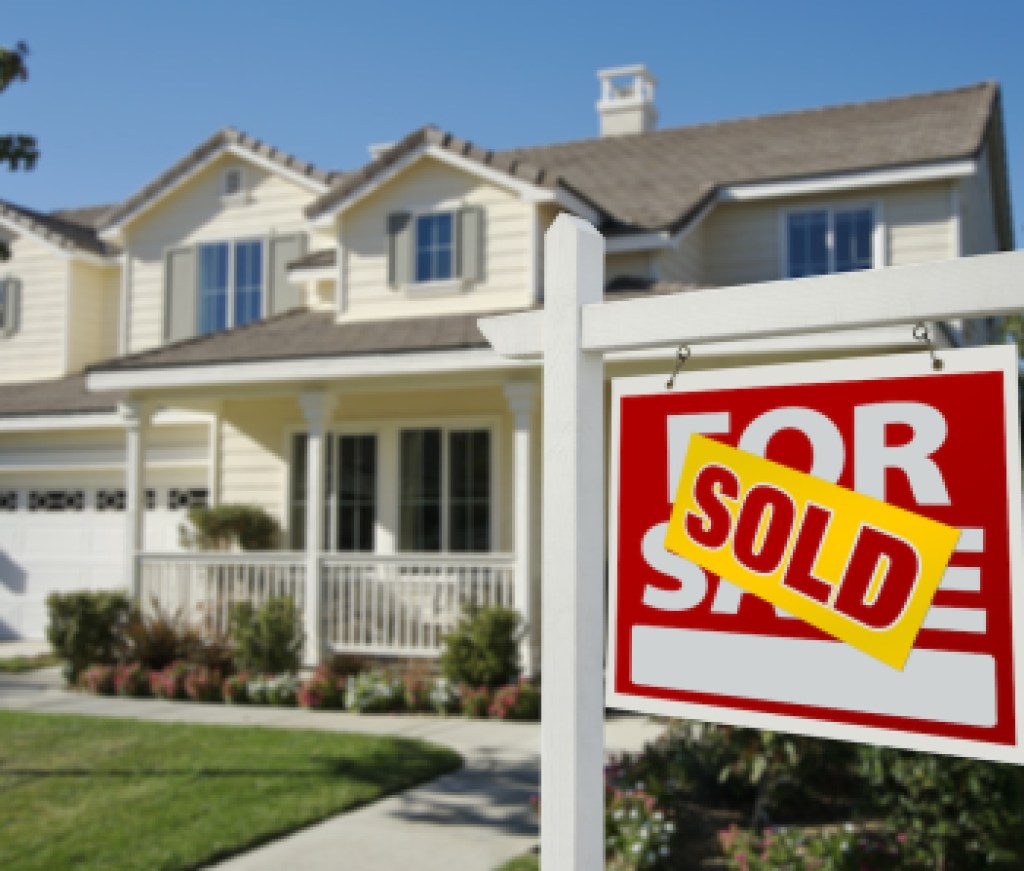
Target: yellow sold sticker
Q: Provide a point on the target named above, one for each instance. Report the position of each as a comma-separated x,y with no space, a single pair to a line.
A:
860,569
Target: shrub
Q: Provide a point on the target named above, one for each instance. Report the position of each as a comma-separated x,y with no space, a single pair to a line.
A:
828,848
235,689
170,682
944,812
483,648
283,689
267,639
132,680
222,526
85,628
99,679
637,833
157,638
373,692
325,690
474,702
258,690
518,701
202,684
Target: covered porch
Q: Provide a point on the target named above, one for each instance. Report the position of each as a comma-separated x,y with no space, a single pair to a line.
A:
401,505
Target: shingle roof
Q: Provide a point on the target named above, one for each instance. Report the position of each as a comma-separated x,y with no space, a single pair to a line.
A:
659,180
220,139
60,396
70,229
302,334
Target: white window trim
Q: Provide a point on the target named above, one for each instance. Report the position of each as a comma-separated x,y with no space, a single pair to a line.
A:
264,266
388,433
879,252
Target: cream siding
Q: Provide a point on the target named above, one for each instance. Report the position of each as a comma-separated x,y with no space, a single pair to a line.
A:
429,185
93,307
196,213
36,349
977,212
256,438
743,241
684,262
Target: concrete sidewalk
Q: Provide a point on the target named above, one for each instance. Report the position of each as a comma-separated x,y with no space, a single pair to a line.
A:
472,820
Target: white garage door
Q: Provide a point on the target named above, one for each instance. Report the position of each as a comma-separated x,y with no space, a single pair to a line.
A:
72,538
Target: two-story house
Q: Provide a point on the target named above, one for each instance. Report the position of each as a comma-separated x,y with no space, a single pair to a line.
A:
247,328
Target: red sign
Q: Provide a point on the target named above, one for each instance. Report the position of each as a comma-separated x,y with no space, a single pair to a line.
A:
944,445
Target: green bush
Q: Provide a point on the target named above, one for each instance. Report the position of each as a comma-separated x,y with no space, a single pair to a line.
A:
85,628
483,648
222,526
374,692
268,639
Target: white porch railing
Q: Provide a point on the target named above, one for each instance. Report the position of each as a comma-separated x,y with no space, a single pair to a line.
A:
202,588
405,604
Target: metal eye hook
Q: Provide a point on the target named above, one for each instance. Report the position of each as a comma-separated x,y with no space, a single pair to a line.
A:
682,355
921,334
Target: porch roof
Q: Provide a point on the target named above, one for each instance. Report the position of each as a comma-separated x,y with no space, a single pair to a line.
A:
56,397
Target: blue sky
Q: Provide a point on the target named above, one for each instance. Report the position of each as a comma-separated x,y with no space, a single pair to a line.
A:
118,91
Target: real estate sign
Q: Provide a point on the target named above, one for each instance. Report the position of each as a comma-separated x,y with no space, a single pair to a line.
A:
826,548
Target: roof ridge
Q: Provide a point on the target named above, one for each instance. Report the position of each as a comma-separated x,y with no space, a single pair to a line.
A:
987,84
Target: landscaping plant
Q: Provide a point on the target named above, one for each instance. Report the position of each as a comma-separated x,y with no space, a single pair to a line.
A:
325,690
518,701
132,680
483,648
85,628
235,689
221,527
267,639
474,702
373,692
156,637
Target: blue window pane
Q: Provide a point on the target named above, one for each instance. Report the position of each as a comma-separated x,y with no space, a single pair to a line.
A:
443,229
248,282
213,288
808,244
853,240
435,254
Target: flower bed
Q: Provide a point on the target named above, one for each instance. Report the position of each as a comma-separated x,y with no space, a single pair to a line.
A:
374,691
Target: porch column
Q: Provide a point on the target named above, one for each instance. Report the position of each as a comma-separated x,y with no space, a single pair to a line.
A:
134,416
521,397
316,407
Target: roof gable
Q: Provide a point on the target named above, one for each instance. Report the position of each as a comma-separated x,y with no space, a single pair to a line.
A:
70,230
224,141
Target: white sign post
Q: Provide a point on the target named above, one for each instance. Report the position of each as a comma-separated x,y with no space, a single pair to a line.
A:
572,333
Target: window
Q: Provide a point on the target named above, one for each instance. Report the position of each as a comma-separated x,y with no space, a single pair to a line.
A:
234,181
445,498
230,284
821,241
435,247
350,493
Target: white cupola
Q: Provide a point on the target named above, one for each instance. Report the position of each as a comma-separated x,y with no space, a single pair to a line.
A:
627,100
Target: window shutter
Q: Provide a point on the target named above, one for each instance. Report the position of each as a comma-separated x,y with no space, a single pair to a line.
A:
282,294
471,244
11,305
180,294
399,249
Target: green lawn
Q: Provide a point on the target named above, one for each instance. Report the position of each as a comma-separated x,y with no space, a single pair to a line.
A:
529,862
17,664
88,793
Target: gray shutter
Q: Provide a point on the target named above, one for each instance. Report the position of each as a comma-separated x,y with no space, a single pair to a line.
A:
13,318
399,249
282,294
180,294
471,244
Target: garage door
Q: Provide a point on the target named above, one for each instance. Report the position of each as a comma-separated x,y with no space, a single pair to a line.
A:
71,537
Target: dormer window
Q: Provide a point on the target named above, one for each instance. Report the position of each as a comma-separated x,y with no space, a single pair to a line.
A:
435,247
824,240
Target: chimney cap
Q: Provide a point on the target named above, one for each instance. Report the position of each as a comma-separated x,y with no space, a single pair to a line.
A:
628,70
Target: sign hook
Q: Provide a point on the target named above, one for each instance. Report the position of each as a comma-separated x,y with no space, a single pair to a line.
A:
682,355
921,334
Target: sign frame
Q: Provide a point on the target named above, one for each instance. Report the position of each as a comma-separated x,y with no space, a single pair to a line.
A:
997,358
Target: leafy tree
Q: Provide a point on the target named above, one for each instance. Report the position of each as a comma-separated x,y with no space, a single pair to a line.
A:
17,150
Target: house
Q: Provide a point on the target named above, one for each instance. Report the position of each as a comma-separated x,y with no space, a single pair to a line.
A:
249,328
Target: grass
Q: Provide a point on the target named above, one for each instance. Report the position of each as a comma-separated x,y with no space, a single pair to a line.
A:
18,664
528,862
89,793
